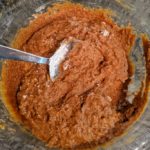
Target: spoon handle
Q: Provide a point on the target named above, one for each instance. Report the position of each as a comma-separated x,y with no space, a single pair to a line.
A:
14,54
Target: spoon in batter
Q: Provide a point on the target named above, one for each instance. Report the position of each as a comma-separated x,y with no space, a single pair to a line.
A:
53,62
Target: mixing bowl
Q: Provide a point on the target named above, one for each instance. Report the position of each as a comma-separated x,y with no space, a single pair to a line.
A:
15,14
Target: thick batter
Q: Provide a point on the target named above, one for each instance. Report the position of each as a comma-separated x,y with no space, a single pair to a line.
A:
83,106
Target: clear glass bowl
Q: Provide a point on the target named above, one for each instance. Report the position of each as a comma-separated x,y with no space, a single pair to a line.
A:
19,13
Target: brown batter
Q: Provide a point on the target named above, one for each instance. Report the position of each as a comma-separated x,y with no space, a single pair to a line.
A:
81,108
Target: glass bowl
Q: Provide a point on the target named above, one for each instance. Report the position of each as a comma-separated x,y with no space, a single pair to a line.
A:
15,14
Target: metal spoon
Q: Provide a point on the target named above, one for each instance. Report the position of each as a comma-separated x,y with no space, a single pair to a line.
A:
53,62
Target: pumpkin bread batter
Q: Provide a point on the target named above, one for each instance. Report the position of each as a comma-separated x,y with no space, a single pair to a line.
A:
82,107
